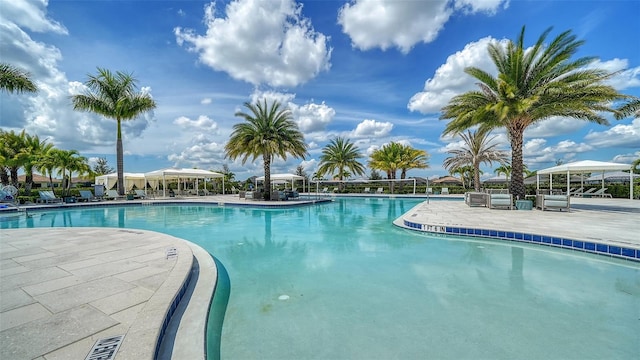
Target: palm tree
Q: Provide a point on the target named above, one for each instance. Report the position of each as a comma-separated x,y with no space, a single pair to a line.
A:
13,79
388,159
67,160
114,96
504,169
477,149
10,158
268,131
340,158
31,153
466,174
412,158
532,85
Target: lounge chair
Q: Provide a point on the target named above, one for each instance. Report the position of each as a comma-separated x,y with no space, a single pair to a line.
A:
379,191
500,201
87,195
140,194
444,191
325,190
278,195
476,199
112,195
547,202
8,194
48,197
367,190
576,192
601,192
335,189
587,193
234,190
429,190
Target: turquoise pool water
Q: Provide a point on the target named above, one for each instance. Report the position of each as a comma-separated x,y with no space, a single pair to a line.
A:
338,281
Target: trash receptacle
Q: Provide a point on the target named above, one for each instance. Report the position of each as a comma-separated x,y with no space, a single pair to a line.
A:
524,204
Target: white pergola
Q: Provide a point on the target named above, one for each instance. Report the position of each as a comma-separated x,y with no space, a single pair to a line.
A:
130,179
180,174
586,166
283,177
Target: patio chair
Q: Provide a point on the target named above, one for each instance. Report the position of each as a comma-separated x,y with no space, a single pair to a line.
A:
547,202
87,195
430,190
325,190
379,191
8,194
444,191
476,199
367,190
576,192
335,189
500,201
601,192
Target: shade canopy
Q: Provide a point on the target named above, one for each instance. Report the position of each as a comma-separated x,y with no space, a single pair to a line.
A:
447,180
130,180
500,179
616,176
154,177
283,178
587,166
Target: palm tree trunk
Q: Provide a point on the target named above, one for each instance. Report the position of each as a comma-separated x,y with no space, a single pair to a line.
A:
120,160
476,177
14,176
267,176
516,187
4,176
28,182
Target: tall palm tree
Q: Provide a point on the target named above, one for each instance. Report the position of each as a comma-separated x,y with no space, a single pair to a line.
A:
114,96
532,85
268,131
388,159
13,79
340,158
477,149
31,153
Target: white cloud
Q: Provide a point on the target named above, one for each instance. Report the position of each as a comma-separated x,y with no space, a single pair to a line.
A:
31,15
271,96
202,123
203,153
372,128
624,78
206,101
451,80
554,126
536,152
312,117
260,42
618,135
626,158
402,24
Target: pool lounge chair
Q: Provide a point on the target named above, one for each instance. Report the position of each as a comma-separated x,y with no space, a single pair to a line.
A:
87,195
576,192
112,195
48,197
140,194
587,193
367,190
325,190
444,191
601,193
380,190
429,190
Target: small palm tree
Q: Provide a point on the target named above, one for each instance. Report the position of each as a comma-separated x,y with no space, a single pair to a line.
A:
504,169
412,158
466,174
477,149
268,131
13,79
67,160
532,85
340,158
31,153
11,160
114,96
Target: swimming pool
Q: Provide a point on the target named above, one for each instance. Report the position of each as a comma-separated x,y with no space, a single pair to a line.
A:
339,281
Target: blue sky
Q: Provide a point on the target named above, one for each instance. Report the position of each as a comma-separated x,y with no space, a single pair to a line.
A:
371,71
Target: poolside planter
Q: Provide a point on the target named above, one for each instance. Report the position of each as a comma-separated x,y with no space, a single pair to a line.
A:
524,204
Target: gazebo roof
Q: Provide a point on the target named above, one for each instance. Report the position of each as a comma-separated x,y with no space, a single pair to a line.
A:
584,166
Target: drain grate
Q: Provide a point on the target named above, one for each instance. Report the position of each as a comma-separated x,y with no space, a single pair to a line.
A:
105,349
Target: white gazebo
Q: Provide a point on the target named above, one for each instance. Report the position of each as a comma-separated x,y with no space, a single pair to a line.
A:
154,177
587,166
130,179
283,177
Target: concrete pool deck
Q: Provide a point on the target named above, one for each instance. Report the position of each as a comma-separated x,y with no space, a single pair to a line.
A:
62,289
